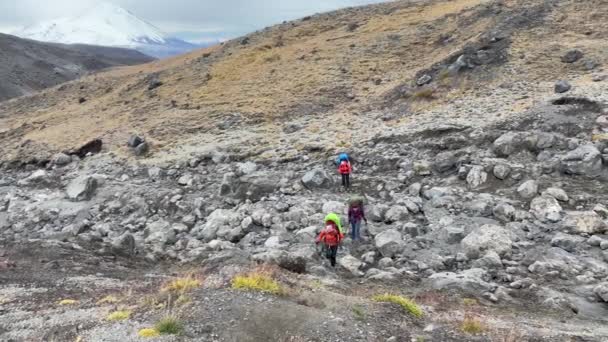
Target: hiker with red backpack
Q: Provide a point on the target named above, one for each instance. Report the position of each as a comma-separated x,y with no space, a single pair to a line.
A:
345,169
331,236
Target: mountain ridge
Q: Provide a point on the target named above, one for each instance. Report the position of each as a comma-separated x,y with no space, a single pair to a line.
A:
28,66
107,24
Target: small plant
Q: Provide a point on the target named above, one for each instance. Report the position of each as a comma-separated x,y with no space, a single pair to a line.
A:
182,300
169,325
257,282
599,137
424,93
119,315
407,304
472,326
182,285
469,301
359,313
68,302
420,339
107,300
148,333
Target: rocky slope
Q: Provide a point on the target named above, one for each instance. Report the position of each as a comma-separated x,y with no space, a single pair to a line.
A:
27,66
485,188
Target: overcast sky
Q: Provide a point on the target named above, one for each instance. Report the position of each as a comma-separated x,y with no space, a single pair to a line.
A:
195,20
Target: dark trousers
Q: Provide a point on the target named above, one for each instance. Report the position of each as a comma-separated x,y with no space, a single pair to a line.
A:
331,253
346,180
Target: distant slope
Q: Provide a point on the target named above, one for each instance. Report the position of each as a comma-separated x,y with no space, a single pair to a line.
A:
107,24
27,66
335,79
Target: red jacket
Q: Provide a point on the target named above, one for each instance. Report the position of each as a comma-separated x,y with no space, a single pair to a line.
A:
330,236
345,168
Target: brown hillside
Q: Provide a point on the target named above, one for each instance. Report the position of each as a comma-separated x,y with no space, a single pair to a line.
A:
352,73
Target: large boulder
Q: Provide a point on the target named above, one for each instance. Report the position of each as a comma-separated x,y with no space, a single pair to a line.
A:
252,186
124,245
477,177
396,213
504,212
472,281
528,189
219,219
81,188
585,160
584,222
61,159
351,264
601,291
546,209
501,171
290,261
316,178
507,144
557,193
567,242
487,238
159,233
389,243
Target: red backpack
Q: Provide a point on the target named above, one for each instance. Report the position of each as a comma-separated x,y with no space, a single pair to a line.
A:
344,167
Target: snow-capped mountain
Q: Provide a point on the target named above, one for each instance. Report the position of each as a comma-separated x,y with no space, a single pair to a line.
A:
107,24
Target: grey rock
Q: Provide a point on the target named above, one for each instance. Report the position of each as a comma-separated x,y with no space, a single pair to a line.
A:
477,177
584,222
376,212
501,171
422,168
557,193
142,149
562,86
585,160
566,242
454,235
424,79
471,281
487,238
389,243
572,56
507,144
81,188
490,261
316,178
395,214
546,209
351,264
601,291
246,168
135,141
414,189
504,212
186,180
159,233
61,159
595,241
124,245
528,189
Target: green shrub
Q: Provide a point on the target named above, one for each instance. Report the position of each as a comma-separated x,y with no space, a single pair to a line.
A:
169,325
359,313
407,304
472,326
424,93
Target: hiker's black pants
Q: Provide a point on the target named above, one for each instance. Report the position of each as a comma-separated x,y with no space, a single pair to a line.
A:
346,180
331,253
